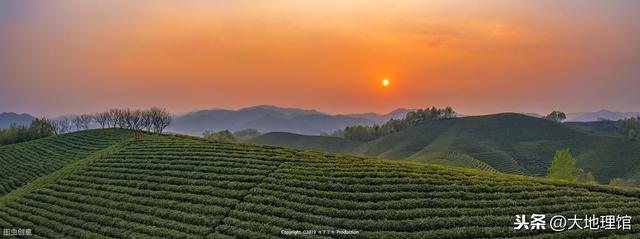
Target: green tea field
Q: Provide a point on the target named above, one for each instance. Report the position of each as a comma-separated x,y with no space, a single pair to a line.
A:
185,187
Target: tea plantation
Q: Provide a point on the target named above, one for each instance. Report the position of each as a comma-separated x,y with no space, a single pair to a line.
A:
22,163
184,187
508,143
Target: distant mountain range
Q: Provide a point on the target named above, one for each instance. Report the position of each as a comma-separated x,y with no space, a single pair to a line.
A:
268,118
8,118
379,119
592,116
596,116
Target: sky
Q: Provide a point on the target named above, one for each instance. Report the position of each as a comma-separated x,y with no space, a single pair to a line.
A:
478,56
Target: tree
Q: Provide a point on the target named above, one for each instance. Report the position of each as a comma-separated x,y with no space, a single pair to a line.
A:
147,120
135,120
629,127
338,133
61,126
449,113
246,135
224,136
77,122
620,182
10,135
413,118
563,166
359,133
39,128
207,133
127,118
585,177
556,116
153,120
118,118
111,118
160,119
102,118
82,121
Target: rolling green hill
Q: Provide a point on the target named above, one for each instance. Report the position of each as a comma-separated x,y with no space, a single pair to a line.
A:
183,187
602,127
511,143
317,143
21,163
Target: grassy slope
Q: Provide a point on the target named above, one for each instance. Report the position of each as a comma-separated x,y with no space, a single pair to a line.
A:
602,127
181,187
511,143
21,163
317,143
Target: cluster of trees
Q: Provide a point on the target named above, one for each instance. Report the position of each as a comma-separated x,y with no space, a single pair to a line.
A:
224,135
152,120
629,127
338,133
66,124
246,134
556,116
228,136
564,167
39,128
620,182
413,118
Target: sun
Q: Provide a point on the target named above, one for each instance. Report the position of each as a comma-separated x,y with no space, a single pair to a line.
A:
386,82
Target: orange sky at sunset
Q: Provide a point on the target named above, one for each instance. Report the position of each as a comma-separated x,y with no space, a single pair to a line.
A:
482,56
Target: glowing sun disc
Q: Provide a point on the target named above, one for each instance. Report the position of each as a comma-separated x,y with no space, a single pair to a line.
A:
386,82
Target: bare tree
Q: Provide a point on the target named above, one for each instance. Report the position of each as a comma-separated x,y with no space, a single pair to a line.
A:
135,120
82,121
102,118
111,118
55,127
65,125
61,126
147,120
127,117
131,119
154,120
87,120
119,118
76,121
160,119
164,121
